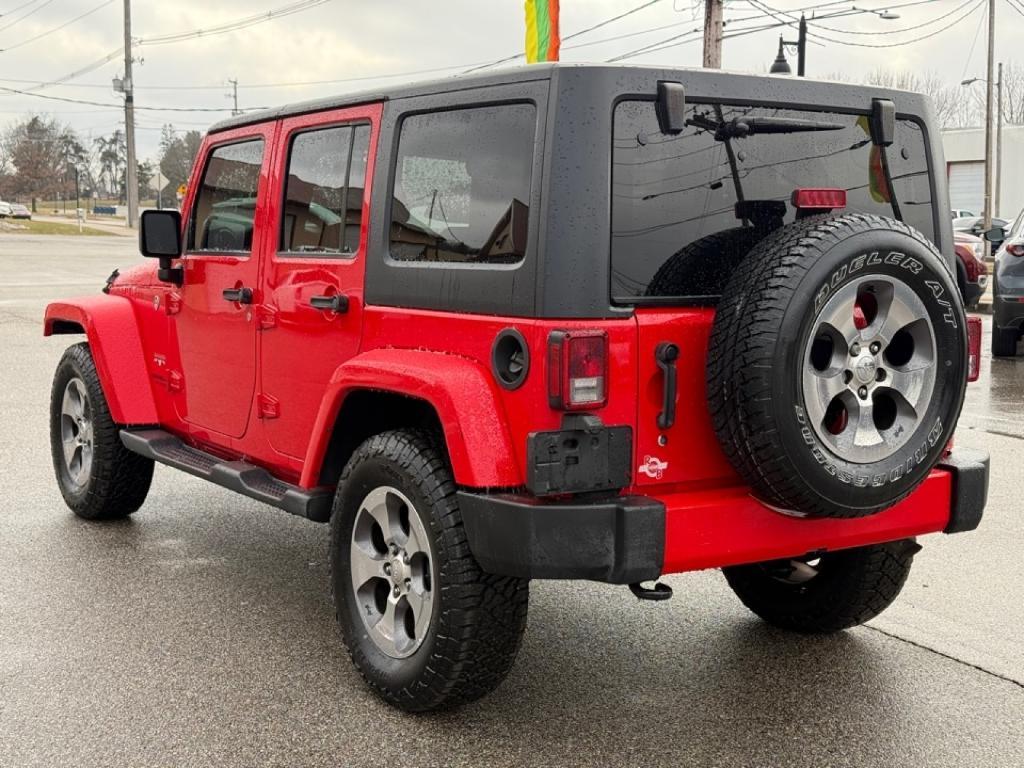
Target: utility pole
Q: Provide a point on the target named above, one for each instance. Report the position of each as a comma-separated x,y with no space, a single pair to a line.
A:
130,177
713,28
234,95
801,48
999,138
989,83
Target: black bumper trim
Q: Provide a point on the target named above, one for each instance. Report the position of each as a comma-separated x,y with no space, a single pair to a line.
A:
618,540
969,469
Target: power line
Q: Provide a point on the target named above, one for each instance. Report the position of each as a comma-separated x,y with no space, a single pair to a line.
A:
119,106
26,15
57,28
922,25
19,7
775,13
231,26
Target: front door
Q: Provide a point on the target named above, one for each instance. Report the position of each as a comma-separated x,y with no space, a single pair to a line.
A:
215,326
313,280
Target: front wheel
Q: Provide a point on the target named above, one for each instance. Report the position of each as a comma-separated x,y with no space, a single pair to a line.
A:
825,594
425,626
98,477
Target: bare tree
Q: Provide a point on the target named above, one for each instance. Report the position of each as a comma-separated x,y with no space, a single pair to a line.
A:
954,105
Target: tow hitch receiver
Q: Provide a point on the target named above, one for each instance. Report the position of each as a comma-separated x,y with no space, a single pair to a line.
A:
659,591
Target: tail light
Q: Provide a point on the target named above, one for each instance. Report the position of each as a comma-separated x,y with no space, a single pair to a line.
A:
972,266
577,369
973,348
1015,249
809,199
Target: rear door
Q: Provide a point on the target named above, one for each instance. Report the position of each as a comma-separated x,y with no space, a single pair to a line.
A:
215,327
311,317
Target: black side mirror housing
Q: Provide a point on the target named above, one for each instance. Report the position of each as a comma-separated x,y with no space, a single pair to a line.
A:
160,238
883,122
671,107
995,235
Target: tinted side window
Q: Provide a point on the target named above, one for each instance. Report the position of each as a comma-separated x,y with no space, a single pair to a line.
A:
462,185
671,193
323,205
225,207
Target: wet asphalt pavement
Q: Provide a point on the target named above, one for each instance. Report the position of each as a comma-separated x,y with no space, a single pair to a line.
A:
200,632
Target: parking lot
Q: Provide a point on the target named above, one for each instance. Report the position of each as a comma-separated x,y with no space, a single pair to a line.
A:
200,632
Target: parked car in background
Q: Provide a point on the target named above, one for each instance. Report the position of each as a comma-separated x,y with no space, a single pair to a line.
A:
975,225
19,211
1008,289
5,210
971,272
960,213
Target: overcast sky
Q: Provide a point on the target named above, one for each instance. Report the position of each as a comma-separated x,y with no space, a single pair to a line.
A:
363,38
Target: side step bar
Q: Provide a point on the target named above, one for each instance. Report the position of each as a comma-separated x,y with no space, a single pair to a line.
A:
246,479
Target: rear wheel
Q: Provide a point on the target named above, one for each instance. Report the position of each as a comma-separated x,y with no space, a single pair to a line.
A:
424,625
829,593
1004,341
99,478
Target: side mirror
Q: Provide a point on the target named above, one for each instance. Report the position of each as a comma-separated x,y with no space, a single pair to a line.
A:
160,238
995,235
671,107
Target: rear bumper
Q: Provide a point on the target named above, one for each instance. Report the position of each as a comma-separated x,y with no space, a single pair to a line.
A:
628,539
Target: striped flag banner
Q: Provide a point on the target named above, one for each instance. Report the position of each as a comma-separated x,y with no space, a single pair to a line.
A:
542,40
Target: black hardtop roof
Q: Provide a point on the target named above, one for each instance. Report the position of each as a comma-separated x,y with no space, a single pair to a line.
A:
799,92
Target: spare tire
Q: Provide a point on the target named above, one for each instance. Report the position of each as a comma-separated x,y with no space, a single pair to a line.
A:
837,365
703,267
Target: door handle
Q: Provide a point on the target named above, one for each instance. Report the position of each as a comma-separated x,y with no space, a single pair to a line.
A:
337,303
238,295
666,355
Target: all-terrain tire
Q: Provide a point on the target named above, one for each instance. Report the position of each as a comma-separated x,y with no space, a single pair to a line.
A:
1004,341
703,267
851,587
117,480
478,620
766,319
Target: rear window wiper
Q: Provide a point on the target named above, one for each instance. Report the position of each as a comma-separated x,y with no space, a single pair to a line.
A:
741,127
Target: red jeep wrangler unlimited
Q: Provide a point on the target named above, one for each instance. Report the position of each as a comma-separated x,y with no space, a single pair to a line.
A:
562,322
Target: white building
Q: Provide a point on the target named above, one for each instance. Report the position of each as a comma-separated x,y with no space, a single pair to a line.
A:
965,169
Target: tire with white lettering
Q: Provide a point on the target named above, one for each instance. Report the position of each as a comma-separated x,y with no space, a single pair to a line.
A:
837,364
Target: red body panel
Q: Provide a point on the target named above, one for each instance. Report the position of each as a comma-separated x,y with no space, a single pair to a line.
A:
727,526
113,332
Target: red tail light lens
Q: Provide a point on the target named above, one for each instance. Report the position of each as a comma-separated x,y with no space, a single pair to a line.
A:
973,348
819,199
577,369
1015,249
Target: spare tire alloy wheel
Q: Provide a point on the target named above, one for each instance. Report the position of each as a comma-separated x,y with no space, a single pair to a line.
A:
837,364
869,368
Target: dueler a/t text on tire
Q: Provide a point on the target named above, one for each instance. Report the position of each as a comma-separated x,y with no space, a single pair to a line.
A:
837,364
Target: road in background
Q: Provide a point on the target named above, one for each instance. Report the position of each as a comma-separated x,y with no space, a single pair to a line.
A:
200,632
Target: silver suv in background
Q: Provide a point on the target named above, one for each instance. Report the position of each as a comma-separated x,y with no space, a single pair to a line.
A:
1008,288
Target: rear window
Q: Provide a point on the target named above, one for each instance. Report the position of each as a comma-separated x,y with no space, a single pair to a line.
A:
462,185
669,192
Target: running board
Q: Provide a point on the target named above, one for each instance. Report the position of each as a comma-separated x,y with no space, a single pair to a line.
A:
246,479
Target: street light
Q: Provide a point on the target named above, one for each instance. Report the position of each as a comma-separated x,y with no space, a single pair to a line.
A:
999,131
780,66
